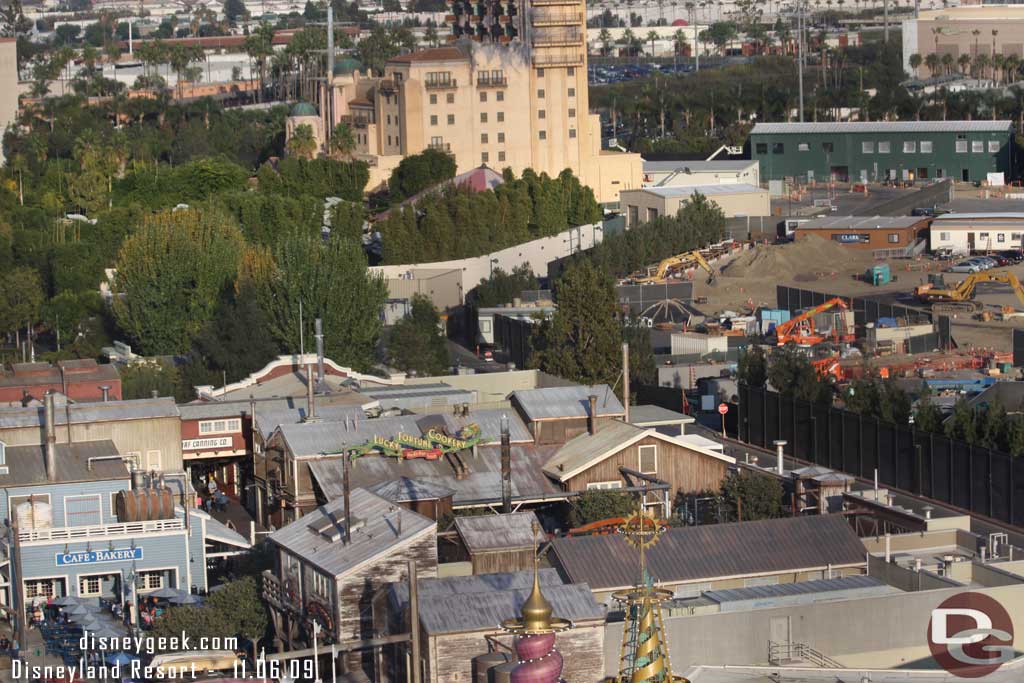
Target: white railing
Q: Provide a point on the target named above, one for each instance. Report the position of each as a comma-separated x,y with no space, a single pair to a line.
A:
70,533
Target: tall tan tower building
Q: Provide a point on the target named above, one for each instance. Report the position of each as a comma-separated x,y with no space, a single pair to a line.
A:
509,90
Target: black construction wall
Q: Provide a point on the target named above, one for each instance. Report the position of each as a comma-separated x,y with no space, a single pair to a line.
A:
974,478
513,336
867,311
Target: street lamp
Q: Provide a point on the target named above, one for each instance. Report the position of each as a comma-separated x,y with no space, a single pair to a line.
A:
491,264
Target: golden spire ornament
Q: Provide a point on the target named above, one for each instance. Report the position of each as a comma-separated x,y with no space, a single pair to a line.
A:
644,656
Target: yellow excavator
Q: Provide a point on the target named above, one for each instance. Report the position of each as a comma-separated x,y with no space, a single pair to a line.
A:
671,265
960,297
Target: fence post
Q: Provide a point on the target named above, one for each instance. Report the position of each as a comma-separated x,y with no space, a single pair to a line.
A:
990,496
970,477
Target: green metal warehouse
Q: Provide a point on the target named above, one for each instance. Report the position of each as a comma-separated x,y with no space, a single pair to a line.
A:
883,150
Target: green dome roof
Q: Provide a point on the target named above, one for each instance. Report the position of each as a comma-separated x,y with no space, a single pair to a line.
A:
346,65
303,109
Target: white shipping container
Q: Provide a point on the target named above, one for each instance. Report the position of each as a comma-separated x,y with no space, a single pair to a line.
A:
694,343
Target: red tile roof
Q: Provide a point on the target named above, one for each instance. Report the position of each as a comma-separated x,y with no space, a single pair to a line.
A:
434,54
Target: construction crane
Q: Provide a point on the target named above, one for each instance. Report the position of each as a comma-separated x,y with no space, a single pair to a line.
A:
959,298
801,330
674,263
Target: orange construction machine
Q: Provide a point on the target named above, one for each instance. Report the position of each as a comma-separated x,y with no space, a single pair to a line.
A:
802,329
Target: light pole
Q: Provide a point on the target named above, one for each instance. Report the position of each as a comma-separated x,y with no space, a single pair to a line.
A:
491,264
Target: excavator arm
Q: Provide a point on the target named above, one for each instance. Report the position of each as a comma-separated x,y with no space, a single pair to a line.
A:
661,273
960,297
801,328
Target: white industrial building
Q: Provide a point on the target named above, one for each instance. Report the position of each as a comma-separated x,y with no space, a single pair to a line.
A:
687,173
965,233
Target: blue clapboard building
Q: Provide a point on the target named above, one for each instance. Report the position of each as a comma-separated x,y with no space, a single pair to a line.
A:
82,519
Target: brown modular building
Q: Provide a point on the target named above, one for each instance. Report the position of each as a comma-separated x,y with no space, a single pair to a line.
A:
867,232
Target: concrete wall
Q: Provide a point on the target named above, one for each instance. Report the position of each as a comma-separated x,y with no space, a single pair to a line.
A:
881,632
495,386
537,254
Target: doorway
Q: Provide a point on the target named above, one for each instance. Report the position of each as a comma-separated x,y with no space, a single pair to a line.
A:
970,242
965,175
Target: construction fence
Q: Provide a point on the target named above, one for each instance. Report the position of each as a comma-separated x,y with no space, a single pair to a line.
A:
868,310
982,480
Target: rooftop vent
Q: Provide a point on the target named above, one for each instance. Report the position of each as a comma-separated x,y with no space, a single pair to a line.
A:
333,529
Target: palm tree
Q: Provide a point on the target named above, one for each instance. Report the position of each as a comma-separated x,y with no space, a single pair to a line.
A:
343,140
302,143
652,36
430,36
915,62
1012,67
947,63
964,61
998,65
605,38
932,62
981,64
679,40
259,47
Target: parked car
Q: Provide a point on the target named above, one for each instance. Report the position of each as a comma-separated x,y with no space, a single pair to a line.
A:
1012,255
987,262
1001,261
965,267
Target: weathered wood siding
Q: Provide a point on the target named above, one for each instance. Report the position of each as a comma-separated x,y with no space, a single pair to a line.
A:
502,561
450,657
356,590
561,430
686,470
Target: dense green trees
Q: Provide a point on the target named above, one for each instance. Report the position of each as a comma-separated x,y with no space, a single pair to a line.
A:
752,368
791,374
455,222
700,222
417,172
502,287
330,281
595,505
170,274
582,340
417,342
880,399
748,497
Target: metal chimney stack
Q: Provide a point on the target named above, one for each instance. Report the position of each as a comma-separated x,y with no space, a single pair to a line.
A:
506,466
780,446
592,415
625,379
346,490
106,392
49,415
318,327
310,396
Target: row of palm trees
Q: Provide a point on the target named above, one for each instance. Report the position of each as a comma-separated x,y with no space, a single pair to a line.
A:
1000,68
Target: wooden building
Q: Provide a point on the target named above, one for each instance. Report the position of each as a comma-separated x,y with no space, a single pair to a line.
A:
556,414
594,460
427,498
459,619
498,543
329,565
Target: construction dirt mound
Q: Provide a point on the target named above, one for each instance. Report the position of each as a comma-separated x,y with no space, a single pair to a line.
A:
805,259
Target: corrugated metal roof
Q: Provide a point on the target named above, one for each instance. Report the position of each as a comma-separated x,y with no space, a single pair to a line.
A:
586,450
706,190
398,593
139,409
846,583
552,403
644,416
725,165
317,438
436,388
376,528
268,420
884,127
405,490
861,222
497,532
217,531
714,551
486,610
27,464
489,422
481,485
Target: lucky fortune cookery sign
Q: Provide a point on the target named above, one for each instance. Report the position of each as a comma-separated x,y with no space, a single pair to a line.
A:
98,556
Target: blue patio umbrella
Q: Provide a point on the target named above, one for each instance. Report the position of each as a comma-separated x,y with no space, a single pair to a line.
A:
66,601
78,609
187,599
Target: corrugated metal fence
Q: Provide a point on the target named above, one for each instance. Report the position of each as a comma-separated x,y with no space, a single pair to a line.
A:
974,478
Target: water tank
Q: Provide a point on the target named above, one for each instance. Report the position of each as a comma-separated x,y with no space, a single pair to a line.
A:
502,673
482,665
34,514
143,505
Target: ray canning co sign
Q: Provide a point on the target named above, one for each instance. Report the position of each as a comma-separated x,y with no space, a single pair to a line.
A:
467,437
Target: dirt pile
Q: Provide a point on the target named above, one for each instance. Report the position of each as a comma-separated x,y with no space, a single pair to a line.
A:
806,257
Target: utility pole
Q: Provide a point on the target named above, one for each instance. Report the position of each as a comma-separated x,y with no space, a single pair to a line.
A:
885,21
800,53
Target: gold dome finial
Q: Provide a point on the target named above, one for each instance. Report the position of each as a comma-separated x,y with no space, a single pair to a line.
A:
536,612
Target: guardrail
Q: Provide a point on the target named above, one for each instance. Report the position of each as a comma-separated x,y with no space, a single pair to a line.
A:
73,533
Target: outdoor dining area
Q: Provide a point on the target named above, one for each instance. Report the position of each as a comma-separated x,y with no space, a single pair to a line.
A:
63,622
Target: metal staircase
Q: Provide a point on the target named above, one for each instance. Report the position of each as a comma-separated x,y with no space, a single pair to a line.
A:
799,654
